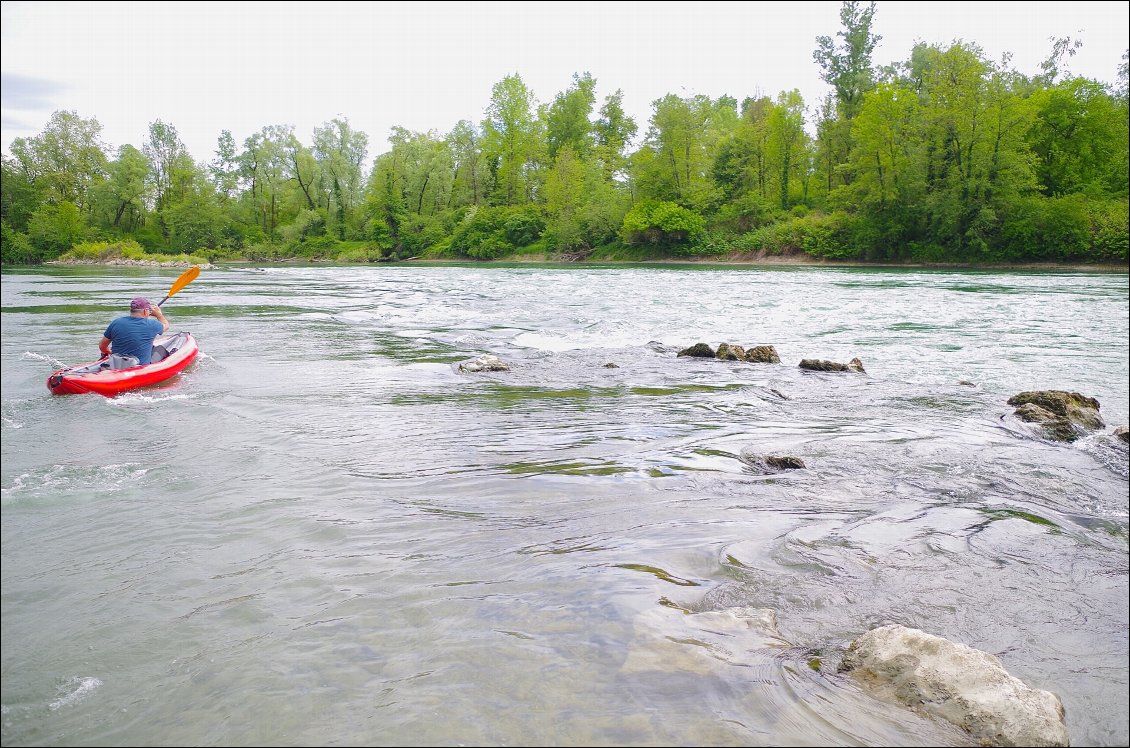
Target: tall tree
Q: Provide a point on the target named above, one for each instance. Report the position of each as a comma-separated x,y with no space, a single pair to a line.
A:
564,195
266,169
225,167
512,141
340,151
846,66
788,143
1078,135
125,190
65,160
164,150
468,168
567,118
684,138
614,131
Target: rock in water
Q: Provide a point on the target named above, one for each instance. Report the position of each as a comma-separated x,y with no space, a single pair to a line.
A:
958,683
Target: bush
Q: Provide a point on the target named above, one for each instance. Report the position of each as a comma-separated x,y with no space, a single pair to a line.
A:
128,249
55,228
662,223
491,232
524,226
16,248
1110,231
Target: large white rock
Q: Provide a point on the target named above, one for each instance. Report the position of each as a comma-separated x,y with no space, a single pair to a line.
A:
958,683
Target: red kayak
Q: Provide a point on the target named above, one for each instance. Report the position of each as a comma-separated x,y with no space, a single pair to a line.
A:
172,353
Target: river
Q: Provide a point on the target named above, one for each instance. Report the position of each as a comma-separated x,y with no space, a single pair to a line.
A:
324,533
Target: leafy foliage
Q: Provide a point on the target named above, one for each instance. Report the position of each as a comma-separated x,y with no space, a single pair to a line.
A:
945,157
662,223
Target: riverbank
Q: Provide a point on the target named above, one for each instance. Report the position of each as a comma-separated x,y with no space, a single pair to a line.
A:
754,259
736,260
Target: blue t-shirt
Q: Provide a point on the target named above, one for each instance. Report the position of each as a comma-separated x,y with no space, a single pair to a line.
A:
133,336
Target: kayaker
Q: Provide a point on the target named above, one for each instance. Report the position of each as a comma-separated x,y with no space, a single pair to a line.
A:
133,335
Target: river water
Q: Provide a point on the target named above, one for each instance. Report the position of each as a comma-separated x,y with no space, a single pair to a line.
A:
324,533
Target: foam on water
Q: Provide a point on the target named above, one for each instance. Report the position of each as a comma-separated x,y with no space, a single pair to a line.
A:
74,690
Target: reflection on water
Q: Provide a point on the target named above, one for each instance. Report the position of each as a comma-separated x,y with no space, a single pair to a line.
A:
323,532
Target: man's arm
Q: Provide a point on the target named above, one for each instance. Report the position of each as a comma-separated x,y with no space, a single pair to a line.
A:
104,346
156,310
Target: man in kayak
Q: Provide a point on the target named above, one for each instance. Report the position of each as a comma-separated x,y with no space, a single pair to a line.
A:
133,335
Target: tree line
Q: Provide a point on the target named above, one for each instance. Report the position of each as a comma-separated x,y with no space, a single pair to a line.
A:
944,157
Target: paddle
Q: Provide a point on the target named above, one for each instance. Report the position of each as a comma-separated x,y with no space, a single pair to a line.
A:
188,276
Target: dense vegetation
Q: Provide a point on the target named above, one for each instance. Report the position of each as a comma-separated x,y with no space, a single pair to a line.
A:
945,157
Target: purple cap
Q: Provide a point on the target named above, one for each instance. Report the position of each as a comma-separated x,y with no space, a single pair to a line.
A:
139,304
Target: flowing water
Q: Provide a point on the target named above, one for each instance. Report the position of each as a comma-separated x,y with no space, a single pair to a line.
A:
324,533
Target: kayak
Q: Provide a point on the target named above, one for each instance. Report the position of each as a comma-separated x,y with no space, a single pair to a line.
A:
172,353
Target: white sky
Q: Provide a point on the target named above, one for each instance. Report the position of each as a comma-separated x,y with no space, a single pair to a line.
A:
208,66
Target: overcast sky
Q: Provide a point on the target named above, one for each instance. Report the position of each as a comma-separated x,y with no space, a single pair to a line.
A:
208,66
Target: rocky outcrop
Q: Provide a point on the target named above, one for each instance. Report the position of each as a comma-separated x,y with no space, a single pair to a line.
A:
698,350
762,354
730,352
1122,433
958,683
486,362
771,463
812,364
758,354
1064,416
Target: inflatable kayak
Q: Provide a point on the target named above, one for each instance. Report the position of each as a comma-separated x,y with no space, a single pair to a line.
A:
113,375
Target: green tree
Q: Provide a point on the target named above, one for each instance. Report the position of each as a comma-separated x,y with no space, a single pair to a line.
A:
1079,136
167,155
614,131
65,160
512,141
265,168
846,66
664,224
340,151
564,196
567,119
124,193
225,168
56,227
18,198
788,145
468,166
195,221
683,139
304,169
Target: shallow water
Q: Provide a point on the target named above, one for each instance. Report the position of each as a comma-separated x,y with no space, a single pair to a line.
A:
324,533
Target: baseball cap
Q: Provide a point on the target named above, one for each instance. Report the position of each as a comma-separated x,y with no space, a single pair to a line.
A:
139,304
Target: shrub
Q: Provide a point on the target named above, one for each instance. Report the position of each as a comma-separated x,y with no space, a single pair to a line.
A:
16,248
662,223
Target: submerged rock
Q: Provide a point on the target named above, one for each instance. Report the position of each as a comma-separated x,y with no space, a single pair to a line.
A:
730,352
762,354
758,354
813,364
1065,416
771,463
676,640
698,350
966,686
486,362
